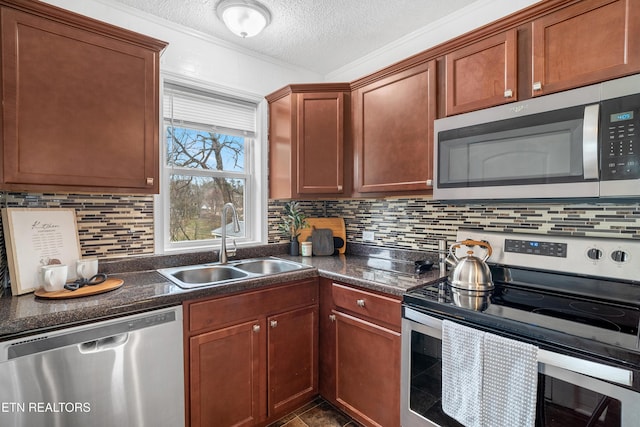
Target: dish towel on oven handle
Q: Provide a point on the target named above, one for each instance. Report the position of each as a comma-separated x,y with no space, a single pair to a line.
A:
487,380
462,373
510,382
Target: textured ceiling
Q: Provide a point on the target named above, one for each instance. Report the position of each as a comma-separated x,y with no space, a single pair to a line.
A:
318,35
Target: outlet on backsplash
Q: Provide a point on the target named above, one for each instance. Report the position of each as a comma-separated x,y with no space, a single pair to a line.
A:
368,236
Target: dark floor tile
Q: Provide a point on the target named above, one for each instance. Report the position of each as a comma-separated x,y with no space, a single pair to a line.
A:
317,401
283,421
324,415
296,422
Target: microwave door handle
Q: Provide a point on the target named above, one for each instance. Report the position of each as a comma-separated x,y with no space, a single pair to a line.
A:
590,141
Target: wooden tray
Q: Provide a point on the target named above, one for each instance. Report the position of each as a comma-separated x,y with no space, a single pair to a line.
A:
106,286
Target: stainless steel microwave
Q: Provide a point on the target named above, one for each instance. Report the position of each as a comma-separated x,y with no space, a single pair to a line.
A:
581,143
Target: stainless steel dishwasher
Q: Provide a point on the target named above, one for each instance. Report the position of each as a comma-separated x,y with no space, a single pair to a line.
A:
121,372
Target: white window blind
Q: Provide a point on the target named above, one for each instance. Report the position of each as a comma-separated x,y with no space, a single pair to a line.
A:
223,115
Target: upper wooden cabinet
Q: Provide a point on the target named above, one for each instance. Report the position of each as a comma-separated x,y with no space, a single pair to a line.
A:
587,42
307,141
483,74
393,131
80,103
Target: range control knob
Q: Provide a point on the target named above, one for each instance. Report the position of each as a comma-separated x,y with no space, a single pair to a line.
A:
594,254
619,256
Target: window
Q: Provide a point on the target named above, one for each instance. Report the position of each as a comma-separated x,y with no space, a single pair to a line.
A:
211,157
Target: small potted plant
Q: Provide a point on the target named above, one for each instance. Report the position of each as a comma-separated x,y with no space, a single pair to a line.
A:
292,222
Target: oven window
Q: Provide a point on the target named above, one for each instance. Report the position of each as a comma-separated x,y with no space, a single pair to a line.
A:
426,380
565,404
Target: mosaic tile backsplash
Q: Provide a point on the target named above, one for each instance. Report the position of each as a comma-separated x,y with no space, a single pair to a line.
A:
112,226
418,223
108,225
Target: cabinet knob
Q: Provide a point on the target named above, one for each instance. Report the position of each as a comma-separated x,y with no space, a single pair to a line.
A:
429,182
360,303
508,93
149,181
274,323
537,86
339,187
256,328
332,317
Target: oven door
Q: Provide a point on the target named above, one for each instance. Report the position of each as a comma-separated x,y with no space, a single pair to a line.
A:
566,396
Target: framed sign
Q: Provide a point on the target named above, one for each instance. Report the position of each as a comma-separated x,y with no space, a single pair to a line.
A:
37,237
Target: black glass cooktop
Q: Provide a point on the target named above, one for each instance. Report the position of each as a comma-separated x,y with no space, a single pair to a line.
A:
599,310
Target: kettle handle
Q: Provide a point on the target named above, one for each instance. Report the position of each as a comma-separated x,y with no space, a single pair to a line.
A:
471,242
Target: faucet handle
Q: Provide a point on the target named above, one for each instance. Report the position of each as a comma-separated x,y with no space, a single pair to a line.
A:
232,252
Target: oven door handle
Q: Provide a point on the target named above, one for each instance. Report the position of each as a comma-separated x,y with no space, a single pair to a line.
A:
570,363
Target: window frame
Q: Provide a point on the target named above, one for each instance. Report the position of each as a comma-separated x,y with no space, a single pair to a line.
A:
255,197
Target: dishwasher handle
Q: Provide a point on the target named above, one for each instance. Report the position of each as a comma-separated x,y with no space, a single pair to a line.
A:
103,344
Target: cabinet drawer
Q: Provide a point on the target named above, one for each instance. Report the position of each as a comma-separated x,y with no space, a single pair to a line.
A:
214,313
373,306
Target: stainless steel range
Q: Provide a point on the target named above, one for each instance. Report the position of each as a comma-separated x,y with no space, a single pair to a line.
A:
577,299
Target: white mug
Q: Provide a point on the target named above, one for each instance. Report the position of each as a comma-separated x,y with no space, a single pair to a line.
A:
87,268
54,277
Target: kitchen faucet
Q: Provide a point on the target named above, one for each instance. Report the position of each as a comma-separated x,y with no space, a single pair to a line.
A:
236,229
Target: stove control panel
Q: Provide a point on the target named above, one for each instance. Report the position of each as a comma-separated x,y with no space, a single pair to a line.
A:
536,247
592,256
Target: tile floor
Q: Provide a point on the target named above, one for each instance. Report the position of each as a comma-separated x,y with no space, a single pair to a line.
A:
318,413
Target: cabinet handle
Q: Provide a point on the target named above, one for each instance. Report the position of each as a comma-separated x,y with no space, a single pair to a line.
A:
339,187
360,303
332,317
508,93
256,328
274,323
429,182
149,181
537,86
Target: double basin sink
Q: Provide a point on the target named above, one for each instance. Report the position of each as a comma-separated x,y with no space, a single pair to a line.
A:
195,276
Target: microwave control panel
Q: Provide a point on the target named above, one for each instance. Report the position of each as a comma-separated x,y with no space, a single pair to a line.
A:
620,138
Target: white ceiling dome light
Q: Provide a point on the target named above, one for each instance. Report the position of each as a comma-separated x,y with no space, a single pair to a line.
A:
245,18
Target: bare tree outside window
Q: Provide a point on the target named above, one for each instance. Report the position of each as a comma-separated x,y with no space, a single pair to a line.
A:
203,166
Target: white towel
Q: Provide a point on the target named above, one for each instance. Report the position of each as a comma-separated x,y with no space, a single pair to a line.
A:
462,357
510,382
487,380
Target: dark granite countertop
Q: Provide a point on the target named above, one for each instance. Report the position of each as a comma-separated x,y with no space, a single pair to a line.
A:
147,290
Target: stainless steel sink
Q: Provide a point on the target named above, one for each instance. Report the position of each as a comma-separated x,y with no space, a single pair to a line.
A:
194,276
208,275
268,266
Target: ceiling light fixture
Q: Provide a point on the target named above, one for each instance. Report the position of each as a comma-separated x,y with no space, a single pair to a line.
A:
245,18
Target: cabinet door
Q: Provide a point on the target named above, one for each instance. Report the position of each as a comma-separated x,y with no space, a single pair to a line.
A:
225,375
588,42
368,371
293,358
393,130
483,74
327,339
80,109
320,143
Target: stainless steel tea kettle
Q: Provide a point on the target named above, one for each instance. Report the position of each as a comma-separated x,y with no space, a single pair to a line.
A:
470,272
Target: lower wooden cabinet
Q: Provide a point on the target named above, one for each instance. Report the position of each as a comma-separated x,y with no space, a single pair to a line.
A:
225,375
293,353
360,353
252,357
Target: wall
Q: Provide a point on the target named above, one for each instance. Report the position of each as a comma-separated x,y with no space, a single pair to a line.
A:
418,223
